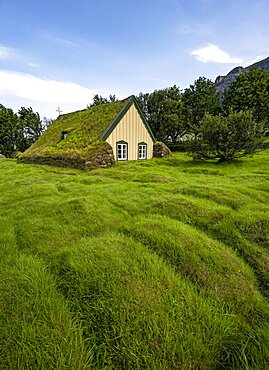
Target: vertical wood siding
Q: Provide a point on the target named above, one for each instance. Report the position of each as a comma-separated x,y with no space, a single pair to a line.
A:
132,130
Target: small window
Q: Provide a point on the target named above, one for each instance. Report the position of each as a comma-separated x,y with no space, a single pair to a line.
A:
64,135
122,151
142,151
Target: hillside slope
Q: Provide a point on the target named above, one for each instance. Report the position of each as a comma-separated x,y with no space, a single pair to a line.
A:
161,264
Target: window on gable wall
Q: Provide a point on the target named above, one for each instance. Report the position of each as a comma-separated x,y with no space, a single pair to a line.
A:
142,151
122,151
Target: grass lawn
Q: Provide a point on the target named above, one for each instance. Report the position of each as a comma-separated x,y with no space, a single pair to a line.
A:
161,264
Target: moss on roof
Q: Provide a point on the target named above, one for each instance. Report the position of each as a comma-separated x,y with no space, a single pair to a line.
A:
83,129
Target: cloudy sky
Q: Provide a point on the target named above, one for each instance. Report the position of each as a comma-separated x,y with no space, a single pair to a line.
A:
60,53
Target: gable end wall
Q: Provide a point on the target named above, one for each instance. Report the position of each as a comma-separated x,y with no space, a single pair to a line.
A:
132,130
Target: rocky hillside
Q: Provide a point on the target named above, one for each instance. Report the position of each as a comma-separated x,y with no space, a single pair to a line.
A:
222,82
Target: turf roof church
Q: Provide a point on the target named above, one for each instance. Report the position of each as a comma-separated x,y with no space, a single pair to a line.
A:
96,137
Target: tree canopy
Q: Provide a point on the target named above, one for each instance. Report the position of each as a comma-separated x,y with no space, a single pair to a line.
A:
99,99
225,131
9,131
164,112
18,131
198,99
30,127
250,90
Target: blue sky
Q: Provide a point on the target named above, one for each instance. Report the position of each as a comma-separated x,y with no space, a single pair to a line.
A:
61,53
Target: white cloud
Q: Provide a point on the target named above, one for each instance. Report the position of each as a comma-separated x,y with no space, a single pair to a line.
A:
48,91
45,95
7,53
213,54
33,65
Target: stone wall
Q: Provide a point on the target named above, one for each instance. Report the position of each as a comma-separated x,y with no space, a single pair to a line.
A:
98,157
160,150
103,157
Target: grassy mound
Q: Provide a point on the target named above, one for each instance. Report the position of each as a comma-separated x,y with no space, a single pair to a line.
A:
147,265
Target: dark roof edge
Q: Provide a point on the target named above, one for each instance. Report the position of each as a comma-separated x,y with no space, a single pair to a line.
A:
120,115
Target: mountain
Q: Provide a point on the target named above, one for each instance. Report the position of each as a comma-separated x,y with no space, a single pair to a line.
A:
222,82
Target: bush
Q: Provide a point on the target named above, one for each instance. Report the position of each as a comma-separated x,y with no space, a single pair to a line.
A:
178,147
225,138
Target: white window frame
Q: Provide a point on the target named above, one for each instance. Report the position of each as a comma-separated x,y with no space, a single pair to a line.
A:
122,151
142,151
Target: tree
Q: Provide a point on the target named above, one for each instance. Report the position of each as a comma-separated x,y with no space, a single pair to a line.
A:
250,90
199,99
225,138
98,100
164,112
10,133
30,127
18,131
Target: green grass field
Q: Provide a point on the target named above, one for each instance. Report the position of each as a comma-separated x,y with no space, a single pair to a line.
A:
161,264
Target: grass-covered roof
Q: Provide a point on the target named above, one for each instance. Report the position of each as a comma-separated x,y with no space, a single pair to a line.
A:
83,129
